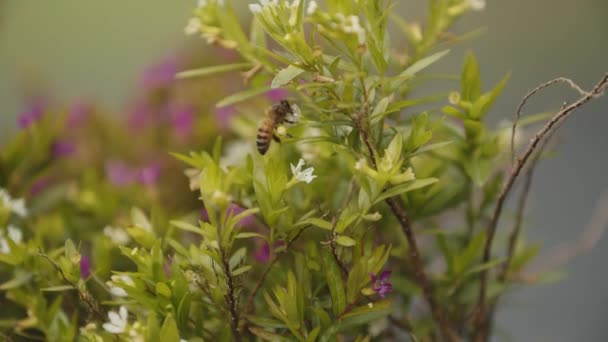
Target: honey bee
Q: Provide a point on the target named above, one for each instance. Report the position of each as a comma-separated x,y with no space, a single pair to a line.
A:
279,113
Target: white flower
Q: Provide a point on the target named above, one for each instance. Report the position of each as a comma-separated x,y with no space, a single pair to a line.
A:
118,235
193,26
201,3
312,7
118,321
117,290
258,8
352,25
4,247
302,175
15,234
236,154
477,5
17,206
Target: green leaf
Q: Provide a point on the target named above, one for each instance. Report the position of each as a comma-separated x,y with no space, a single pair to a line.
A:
405,187
317,222
432,147
312,336
285,76
418,66
379,110
169,331
471,252
187,227
241,270
16,282
333,275
211,70
486,266
470,88
345,241
376,54
241,96
483,104
365,314
59,288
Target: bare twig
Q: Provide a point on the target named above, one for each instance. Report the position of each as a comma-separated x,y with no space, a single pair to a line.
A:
481,331
414,254
332,241
84,296
260,281
527,97
231,300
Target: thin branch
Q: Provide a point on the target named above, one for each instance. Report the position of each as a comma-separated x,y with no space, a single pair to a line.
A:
414,254
523,102
260,281
481,314
332,241
85,296
231,299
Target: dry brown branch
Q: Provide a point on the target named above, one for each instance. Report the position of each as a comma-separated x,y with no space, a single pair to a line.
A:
528,96
481,321
414,254
84,296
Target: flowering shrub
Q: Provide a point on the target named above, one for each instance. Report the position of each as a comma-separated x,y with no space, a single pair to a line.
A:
372,217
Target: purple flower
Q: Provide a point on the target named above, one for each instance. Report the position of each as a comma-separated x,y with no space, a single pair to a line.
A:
235,210
223,116
85,267
276,95
39,186
160,75
32,114
119,174
149,175
262,253
182,119
381,284
140,115
78,113
62,148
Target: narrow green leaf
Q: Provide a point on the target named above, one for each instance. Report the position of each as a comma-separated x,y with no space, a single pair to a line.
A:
365,313
59,288
169,331
470,87
333,275
317,222
405,187
345,241
285,76
418,66
211,70
241,270
241,96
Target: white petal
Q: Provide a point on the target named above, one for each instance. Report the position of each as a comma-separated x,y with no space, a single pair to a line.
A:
4,247
118,291
113,329
123,313
15,234
312,7
255,8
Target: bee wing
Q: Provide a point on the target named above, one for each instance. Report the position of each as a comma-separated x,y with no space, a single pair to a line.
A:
294,116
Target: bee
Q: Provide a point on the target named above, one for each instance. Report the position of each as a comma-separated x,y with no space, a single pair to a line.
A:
279,113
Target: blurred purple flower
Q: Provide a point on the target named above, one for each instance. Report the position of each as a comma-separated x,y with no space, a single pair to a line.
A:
276,95
39,186
32,114
62,148
235,210
262,253
149,175
183,121
119,174
160,75
78,113
223,116
85,266
140,115
381,284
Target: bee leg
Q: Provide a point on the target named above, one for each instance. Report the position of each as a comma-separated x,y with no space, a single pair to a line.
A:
275,138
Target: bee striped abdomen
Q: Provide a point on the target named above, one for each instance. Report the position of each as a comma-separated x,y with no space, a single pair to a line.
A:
264,135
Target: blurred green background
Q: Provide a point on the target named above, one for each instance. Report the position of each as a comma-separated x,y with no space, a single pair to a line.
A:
86,49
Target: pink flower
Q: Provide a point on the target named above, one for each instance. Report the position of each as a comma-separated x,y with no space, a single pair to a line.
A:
62,148
262,253
276,95
381,284
85,267
78,114
182,119
149,175
33,113
223,116
119,174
